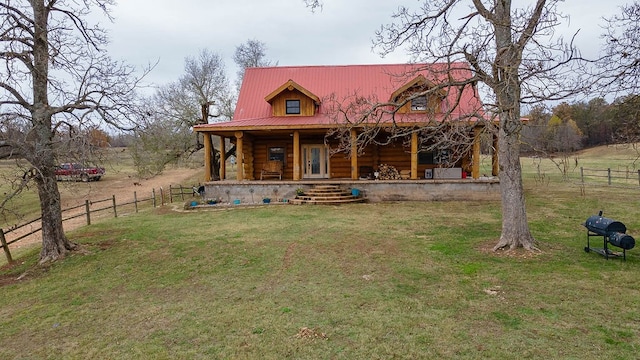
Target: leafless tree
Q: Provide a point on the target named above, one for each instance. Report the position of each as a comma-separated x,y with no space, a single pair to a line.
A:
454,137
205,81
620,69
252,53
620,64
514,56
202,94
56,78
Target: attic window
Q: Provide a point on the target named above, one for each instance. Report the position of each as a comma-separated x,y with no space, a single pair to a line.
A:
419,103
293,107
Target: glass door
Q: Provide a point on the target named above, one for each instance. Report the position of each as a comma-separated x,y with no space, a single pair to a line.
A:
316,161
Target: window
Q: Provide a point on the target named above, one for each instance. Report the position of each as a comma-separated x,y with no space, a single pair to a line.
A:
293,107
277,153
425,158
419,103
436,157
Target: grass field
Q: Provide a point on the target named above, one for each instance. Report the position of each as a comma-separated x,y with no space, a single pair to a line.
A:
366,281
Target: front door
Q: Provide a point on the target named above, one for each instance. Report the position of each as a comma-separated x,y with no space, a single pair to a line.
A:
316,161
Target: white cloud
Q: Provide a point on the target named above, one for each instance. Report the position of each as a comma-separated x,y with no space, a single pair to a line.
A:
147,30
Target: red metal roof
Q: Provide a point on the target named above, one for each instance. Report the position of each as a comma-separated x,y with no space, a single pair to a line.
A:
339,82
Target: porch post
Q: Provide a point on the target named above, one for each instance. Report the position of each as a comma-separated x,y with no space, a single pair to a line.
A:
207,156
414,156
239,156
475,165
354,155
223,159
296,155
494,157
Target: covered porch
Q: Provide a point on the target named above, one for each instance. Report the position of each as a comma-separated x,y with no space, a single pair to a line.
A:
307,155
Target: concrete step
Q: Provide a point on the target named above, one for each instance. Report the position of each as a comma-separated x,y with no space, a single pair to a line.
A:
326,202
326,194
326,197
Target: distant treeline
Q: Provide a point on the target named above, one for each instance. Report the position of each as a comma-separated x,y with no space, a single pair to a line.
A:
570,127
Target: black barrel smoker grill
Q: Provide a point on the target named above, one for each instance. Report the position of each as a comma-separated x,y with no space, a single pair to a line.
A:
612,232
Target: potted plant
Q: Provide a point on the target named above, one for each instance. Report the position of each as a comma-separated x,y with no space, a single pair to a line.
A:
266,200
299,191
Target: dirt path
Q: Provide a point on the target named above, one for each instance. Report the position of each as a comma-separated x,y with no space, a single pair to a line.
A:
121,185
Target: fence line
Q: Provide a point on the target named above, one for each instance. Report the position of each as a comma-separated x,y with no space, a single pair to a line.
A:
611,176
179,191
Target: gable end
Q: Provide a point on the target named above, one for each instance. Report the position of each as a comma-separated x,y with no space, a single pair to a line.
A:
430,103
291,99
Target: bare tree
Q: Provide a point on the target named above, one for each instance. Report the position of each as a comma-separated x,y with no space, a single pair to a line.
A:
512,53
448,140
621,67
620,63
202,94
205,81
160,140
553,136
250,54
56,77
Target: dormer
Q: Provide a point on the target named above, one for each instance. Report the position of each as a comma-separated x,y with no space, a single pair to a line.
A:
291,99
429,103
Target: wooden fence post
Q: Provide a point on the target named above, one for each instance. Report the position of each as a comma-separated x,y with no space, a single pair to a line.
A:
170,194
609,175
153,196
581,174
5,246
88,211
161,196
638,177
135,201
115,212
181,192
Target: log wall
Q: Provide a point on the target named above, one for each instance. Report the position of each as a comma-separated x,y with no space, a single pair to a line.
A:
261,153
397,155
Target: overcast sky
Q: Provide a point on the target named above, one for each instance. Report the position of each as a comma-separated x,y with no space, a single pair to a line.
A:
168,31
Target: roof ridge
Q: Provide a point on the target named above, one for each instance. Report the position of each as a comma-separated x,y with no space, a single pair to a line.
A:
356,65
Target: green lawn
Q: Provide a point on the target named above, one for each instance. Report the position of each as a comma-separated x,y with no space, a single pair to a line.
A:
401,280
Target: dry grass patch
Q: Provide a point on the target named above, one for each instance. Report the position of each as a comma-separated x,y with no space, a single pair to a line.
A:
364,281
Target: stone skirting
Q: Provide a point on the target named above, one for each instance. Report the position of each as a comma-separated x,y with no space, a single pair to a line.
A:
374,191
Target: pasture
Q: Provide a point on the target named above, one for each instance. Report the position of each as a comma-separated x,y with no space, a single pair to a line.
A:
406,280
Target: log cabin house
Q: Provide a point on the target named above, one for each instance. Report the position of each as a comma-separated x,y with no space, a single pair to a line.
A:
284,114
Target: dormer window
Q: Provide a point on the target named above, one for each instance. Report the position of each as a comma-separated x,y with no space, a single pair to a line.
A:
293,107
291,99
419,103
427,103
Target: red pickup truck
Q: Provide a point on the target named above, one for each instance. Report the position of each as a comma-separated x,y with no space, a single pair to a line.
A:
75,172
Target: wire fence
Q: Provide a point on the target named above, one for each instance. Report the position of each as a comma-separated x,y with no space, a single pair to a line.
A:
90,208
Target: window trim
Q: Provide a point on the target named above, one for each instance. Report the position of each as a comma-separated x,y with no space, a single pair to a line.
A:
281,149
287,107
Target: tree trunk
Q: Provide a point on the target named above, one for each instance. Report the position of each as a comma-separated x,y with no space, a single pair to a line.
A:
515,228
215,161
506,85
55,244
